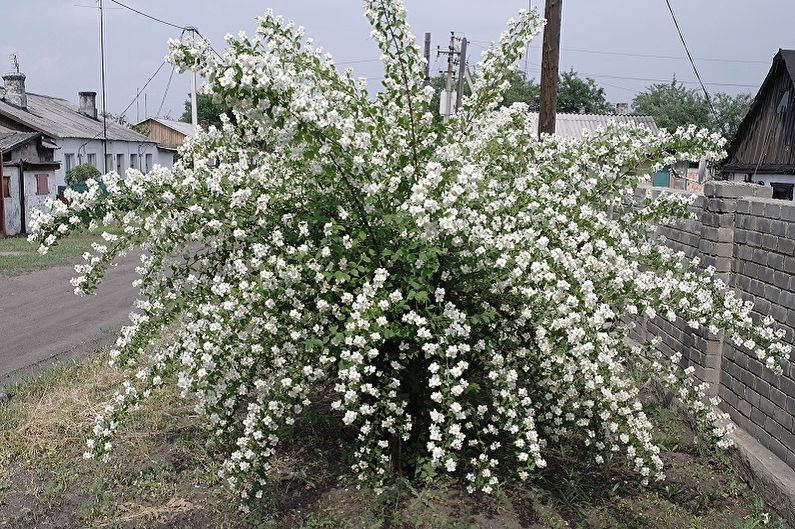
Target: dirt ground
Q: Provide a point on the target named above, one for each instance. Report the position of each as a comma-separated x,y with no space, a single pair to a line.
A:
163,476
41,319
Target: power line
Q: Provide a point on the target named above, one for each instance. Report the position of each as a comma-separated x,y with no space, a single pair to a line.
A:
144,88
692,63
165,93
149,16
486,44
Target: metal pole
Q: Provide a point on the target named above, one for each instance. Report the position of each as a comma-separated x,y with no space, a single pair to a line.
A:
449,85
104,111
550,59
194,112
462,67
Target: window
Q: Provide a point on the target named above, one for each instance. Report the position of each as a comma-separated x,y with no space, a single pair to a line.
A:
134,161
148,162
108,163
6,186
42,184
69,161
92,159
782,191
120,163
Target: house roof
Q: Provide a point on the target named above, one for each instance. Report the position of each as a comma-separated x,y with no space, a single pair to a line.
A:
9,140
783,57
60,119
572,125
180,126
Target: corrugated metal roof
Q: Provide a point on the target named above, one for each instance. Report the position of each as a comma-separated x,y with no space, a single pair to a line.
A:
60,119
789,60
573,125
180,126
9,140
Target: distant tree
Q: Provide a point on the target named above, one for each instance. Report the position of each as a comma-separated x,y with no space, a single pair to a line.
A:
730,112
80,173
673,105
207,110
576,93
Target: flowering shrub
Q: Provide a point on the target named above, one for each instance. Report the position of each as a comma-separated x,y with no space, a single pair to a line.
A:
461,290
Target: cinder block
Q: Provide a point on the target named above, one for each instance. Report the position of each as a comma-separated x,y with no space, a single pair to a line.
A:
786,246
743,206
778,397
754,238
781,279
788,212
769,241
778,227
772,294
757,208
772,211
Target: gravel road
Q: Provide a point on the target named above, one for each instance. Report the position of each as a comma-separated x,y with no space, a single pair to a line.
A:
41,320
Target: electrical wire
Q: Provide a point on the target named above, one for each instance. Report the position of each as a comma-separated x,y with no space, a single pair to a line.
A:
692,62
149,16
165,93
137,95
486,44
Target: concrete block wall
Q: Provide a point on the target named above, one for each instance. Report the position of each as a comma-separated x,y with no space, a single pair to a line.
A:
750,240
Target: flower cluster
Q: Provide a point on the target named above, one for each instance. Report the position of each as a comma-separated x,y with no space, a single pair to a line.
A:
459,292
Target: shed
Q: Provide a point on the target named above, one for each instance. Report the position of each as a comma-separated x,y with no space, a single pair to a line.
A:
168,134
763,149
27,175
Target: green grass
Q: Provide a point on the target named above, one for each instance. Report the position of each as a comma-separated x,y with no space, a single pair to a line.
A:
18,256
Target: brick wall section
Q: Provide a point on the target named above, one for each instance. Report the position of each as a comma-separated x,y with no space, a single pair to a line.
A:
750,240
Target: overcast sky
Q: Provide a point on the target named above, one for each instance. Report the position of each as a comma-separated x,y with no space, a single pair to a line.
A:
57,41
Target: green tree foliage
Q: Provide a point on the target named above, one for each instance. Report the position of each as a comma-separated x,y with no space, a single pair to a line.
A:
674,105
731,110
208,110
576,93
81,173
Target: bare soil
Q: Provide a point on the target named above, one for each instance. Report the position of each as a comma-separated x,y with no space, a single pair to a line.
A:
164,476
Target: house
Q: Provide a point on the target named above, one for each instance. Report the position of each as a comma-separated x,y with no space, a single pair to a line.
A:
76,131
168,134
763,149
27,176
573,125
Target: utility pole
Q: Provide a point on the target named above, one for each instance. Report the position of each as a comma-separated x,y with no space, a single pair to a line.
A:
550,58
193,104
427,55
462,68
449,86
102,69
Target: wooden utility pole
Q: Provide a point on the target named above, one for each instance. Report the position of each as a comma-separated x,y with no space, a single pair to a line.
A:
462,68
449,86
550,57
427,55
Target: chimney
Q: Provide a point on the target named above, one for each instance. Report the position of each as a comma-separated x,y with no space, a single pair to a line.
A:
14,84
88,104
622,109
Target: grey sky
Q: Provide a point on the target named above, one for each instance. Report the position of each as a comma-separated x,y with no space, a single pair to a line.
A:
58,44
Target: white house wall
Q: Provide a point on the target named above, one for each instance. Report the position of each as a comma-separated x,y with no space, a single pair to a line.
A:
11,206
767,179
32,199
83,147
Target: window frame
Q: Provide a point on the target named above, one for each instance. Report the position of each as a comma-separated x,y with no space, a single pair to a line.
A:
39,178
